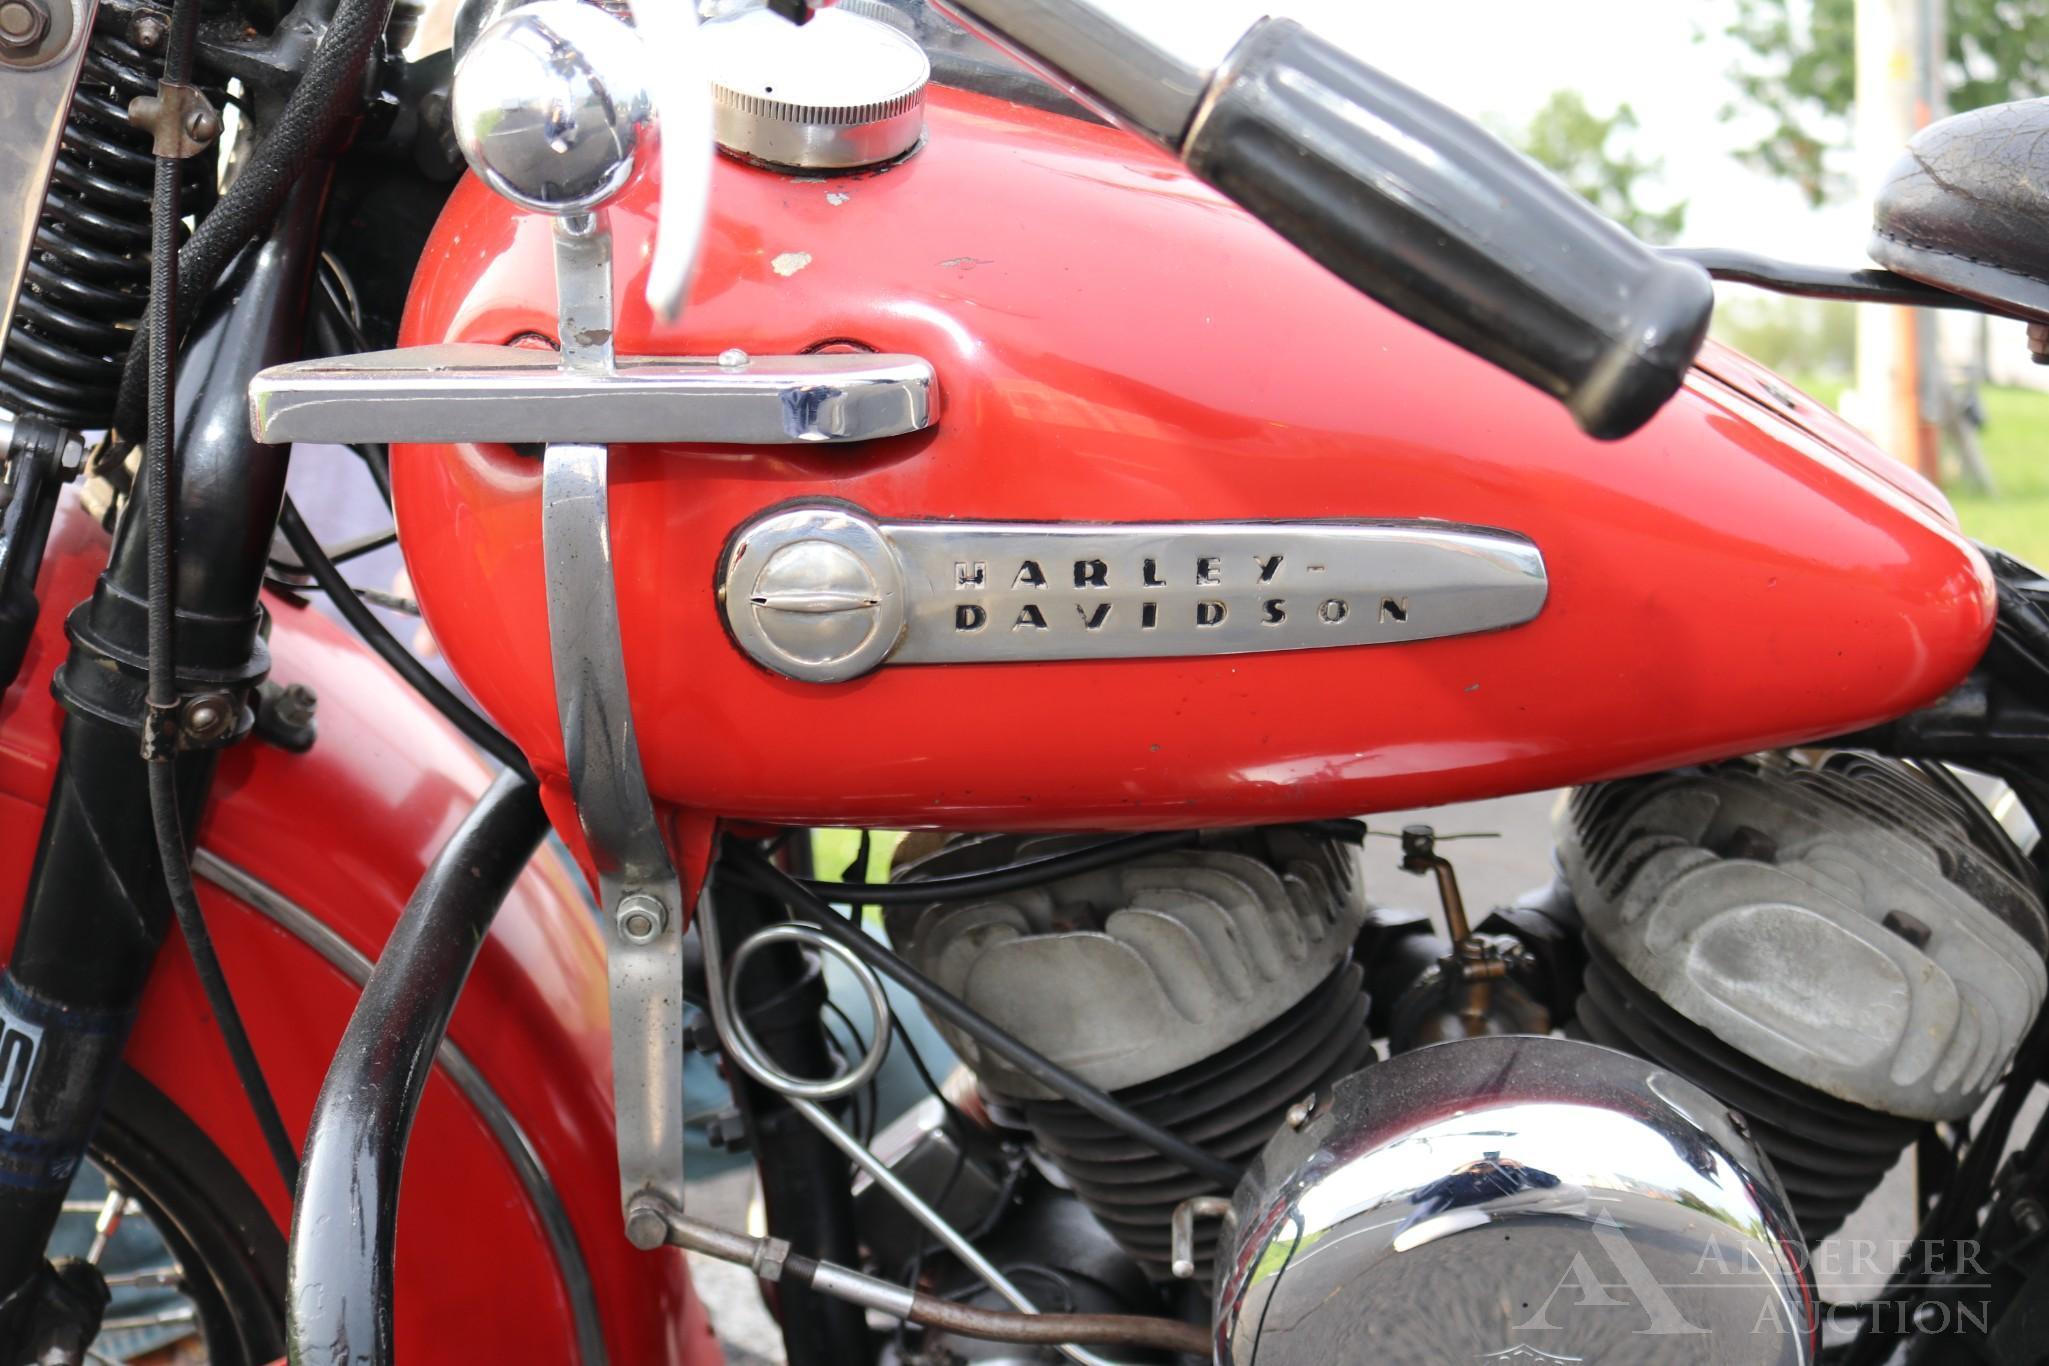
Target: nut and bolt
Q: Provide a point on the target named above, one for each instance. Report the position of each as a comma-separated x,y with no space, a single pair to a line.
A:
22,23
71,459
294,706
147,30
1299,1113
208,716
641,918
733,358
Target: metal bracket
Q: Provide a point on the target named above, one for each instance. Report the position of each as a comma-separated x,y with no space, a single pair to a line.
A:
643,898
181,120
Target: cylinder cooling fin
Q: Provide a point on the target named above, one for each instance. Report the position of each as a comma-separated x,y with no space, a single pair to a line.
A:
1843,951
1209,990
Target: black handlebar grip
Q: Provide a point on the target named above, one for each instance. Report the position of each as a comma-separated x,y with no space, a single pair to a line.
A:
1442,222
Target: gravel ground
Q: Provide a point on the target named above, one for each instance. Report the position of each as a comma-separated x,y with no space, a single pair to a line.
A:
1491,872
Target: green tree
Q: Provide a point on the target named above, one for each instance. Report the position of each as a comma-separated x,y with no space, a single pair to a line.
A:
1798,66
1591,155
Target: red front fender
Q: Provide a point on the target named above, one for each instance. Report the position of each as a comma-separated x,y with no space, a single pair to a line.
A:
510,1245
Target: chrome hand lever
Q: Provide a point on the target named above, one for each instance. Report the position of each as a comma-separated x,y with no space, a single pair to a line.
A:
555,107
682,97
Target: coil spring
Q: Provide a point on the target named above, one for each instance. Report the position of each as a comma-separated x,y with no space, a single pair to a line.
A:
87,283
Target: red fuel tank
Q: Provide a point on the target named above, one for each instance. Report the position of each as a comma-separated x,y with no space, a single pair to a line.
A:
1115,344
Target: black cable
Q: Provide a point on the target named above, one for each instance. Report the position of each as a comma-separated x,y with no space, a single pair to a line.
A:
1028,874
327,93
337,333
160,439
860,1050
353,549
953,1112
1958,1208
481,733
376,597
809,905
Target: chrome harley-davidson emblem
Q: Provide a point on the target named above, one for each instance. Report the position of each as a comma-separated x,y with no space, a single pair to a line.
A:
826,593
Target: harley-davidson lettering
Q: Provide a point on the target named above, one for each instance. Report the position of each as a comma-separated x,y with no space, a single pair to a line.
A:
825,593
1095,611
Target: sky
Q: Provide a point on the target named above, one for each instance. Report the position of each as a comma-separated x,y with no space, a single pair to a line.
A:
1500,59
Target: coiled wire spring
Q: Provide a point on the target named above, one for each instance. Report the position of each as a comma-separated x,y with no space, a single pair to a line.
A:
805,1095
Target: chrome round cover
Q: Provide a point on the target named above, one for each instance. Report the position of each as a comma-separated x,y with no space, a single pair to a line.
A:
1513,1199
840,92
813,593
553,107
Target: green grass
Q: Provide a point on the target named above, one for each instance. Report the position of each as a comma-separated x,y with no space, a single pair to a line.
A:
2016,439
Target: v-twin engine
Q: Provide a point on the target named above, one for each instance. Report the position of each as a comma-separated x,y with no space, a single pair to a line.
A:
1810,960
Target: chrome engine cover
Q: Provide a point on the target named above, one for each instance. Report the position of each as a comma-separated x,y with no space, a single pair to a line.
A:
1513,1198
1839,923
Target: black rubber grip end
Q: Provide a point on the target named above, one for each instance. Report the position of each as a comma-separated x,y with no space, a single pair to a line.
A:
1433,216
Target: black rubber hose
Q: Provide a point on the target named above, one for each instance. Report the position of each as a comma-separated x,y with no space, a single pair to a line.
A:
1029,874
766,877
163,684
481,732
326,95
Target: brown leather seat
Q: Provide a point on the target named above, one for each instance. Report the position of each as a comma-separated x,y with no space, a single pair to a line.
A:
1966,208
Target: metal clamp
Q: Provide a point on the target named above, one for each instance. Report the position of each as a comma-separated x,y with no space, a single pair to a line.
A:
642,895
619,822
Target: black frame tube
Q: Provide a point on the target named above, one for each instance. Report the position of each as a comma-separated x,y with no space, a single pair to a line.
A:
97,910
804,1187
356,1142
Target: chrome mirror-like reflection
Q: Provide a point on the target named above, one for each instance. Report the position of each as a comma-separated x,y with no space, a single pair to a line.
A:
1514,1199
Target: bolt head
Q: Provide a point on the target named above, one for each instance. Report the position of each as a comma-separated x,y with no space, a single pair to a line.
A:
641,918
202,125
147,31
645,1228
1299,1113
733,358
22,23
209,716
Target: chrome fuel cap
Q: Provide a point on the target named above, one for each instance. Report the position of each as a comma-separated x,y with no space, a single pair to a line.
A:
841,92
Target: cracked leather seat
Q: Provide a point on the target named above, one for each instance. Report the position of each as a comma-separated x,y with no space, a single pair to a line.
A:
1966,208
